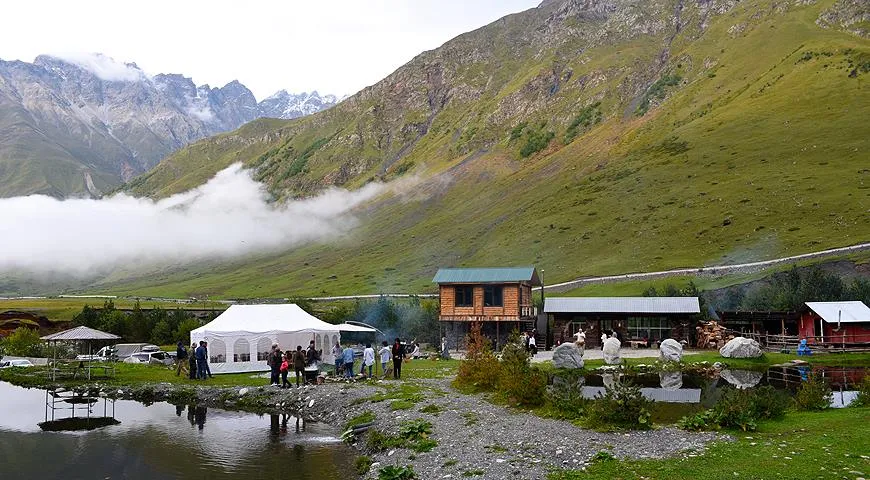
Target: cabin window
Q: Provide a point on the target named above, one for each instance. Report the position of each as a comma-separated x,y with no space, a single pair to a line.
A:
465,296
493,296
652,328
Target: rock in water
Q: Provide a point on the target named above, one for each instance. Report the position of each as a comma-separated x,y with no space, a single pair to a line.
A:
741,347
670,351
671,380
742,378
611,351
567,355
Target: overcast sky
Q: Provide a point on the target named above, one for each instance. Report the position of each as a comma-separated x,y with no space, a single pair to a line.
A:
333,46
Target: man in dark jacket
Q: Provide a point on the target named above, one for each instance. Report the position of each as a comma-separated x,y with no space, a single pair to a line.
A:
180,358
398,355
312,357
201,371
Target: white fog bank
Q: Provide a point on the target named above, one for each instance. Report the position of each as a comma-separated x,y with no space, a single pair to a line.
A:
227,217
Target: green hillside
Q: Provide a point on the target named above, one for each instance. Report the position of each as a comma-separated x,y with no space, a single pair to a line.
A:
634,136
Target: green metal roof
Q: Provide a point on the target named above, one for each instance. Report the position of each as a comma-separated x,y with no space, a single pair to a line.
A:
487,275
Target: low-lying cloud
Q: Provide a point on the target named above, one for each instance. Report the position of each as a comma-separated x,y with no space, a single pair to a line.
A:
105,68
228,217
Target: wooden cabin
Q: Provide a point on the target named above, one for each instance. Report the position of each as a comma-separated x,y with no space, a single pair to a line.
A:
499,298
638,321
835,322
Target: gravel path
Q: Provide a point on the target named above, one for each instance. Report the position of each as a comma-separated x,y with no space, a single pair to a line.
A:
492,442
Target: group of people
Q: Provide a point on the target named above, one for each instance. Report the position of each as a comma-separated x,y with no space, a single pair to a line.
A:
196,359
280,363
344,359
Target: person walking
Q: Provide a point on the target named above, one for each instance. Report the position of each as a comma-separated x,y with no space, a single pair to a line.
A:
398,354
284,368
385,355
369,358
299,359
180,358
191,358
201,361
347,360
339,359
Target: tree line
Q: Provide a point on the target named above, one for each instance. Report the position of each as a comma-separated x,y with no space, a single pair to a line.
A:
157,325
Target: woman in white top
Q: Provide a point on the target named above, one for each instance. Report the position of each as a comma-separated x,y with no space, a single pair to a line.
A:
533,348
385,355
416,353
369,357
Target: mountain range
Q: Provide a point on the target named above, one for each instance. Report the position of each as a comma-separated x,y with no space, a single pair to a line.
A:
83,125
586,137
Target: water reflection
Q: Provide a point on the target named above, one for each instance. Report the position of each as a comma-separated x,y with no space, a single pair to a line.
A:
677,394
166,441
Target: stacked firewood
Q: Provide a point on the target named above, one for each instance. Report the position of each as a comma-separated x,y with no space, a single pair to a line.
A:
711,335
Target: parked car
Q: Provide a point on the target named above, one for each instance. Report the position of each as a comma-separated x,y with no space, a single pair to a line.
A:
120,351
153,358
15,363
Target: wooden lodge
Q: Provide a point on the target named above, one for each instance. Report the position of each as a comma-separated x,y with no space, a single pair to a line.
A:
499,298
637,321
846,323
760,322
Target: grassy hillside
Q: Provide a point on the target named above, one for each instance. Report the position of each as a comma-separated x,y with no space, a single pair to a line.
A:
644,137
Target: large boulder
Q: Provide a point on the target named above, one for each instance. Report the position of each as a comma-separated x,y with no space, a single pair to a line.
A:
611,351
742,378
670,351
568,355
741,347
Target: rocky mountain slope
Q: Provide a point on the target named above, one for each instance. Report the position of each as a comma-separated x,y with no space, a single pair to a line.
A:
583,136
74,127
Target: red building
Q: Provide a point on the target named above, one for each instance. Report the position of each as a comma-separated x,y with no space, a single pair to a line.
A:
835,322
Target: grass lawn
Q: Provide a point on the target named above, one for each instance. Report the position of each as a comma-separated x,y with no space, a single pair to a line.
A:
133,374
804,445
61,309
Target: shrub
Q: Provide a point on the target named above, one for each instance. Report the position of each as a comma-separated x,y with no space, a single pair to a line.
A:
536,141
23,342
863,399
565,395
395,472
622,406
521,383
814,394
740,409
480,369
362,464
413,434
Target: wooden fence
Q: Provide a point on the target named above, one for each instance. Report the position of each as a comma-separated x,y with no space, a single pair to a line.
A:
818,344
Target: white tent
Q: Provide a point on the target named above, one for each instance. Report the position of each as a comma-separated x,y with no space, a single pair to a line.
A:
240,339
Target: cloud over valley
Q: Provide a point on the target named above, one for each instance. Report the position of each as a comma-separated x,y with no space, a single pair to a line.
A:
228,217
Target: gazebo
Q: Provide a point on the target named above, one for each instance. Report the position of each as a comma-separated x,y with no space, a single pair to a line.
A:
77,334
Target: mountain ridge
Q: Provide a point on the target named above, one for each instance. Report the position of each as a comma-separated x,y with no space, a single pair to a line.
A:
590,137
101,122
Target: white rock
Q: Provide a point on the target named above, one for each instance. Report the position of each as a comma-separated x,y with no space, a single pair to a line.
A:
499,460
611,351
741,347
567,355
311,403
391,452
670,350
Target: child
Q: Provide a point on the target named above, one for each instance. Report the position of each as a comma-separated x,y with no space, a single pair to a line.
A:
285,367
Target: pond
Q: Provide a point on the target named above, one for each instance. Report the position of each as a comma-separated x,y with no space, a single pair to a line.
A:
678,394
161,441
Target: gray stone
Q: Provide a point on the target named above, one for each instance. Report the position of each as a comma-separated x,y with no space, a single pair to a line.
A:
611,351
741,378
671,380
670,351
568,355
741,347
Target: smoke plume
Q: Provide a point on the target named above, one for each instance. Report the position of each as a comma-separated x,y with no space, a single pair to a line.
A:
230,216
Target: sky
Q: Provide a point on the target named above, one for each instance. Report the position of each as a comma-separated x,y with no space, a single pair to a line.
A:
332,46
